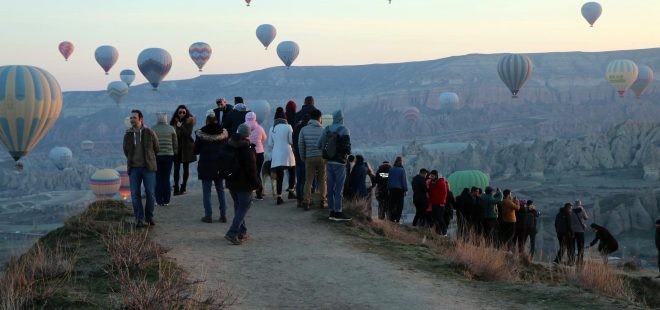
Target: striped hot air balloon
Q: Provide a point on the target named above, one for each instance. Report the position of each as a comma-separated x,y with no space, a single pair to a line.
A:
514,70
105,183
288,52
644,79
261,108
87,145
61,157
106,56
200,53
155,64
30,103
467,179
266,34
66,49
411,115
591,12
125,184
127,76
621,73
117,90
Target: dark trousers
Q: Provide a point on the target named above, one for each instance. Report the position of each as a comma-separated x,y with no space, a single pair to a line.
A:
532,242
439,219
163,189
521,239
420,212
396,204
579,245
260,162
488,228
186,172
383,205
301,178
565,246
507,231
242,204
279,171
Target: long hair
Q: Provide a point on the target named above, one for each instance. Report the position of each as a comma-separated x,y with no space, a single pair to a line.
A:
176,113
398,162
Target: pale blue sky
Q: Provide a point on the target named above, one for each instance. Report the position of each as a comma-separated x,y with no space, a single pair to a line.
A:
329,32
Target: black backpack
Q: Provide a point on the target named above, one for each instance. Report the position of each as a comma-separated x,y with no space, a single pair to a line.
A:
228,165
335,145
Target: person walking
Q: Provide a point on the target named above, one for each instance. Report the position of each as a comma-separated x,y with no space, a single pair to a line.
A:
257,137
420,198
209,141
313,159
140,148
382,194
607,244
564,233
397,184
243,182
183,122
335,145
280,139
579,219
167,143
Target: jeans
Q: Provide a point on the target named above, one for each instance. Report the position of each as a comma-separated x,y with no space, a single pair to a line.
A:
163,187
206,197
137,176
312,166
242,203
301,176
336,175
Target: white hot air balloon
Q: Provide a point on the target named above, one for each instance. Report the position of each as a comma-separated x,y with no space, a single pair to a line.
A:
117,90
288,52
448,102
621,73
61,157
266,34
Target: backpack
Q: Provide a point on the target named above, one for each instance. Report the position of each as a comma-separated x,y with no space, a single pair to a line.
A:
335,144
228,165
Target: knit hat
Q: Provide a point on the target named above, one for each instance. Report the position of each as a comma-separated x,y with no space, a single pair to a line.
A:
279,113
238,100
243,130
250,117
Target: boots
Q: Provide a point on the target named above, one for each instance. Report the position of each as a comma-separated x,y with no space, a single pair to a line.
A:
292,195
176,190
280,200
183,189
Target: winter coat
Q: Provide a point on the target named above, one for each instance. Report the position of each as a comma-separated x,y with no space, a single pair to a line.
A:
509,208
382,175
298,124
577,215
464,204
185,141
279,142
420,190
307,139
300,115
607,242
438,192
167,141
357,183
563,223
488,205
148,143
344,136
221,115
234,119
397,179
209,141
246,179
257,133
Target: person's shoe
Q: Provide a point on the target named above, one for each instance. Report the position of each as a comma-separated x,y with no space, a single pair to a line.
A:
176,190
259,197
166,204
292,195
234,240
182,190
222,219
207,219
140,224
339,216
280,200
244,238
151,222
306,208
322,205
332,216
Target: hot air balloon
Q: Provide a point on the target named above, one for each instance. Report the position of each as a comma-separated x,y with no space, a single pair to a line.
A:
30,103
154,63
87,145
261,108
106,56
117,90
66,49
105,183
288,52
200,53
248,2
467,179
127,76
644,78
591,11
266,34
621,73
411,115
61,157
448,102
514,70
125,182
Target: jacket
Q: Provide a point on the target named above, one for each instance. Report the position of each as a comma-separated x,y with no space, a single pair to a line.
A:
167,141
357,184
148,143
577,215
246,179
221,116
209,141
382,175
344,138
563,223
397,179
607,242
307,139
488,204
185,141
464,205
234,119
438,192
420,190
297,125
257,134
509,208
279,143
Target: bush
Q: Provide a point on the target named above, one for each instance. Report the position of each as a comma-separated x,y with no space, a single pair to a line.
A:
483,260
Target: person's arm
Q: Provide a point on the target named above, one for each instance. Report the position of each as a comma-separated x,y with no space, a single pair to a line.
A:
290,136
175,142
405,181
197,146
127,144
595,240
154,143
322,138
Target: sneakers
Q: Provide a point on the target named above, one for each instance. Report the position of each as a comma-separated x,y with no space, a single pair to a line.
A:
234,240
207,219
332,216
259,197
280,200
222,219
292,195
151,222
176,190
244,238
339,216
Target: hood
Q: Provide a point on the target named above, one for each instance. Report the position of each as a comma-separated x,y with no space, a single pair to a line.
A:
250,117
237,141
209,130
338,117
314,123
135,130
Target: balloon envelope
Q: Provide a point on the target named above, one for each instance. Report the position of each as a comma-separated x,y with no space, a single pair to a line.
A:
105,183
155,64
248,2
591,11
106,56
61,157
30,103
66,49
117,90
124,184
261,108
644,78
200,53
127,76
621,73
514,70
411,114
288,52
448,101
87,145
467,179
266,34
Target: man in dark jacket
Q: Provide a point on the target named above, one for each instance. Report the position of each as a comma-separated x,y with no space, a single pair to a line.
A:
657,242
463,212
209,141
489,202
420,198
301,118
382,174
222,111
607,244
564,233
236,116
242,184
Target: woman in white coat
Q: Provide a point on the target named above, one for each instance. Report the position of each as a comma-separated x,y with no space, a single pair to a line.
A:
279,143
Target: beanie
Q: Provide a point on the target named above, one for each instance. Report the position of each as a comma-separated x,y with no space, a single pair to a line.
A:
250,117
243,130
238,100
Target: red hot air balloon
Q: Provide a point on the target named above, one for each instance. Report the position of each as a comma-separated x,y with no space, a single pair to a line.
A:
411,115
66,49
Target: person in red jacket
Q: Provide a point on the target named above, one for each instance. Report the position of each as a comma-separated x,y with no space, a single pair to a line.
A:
438,189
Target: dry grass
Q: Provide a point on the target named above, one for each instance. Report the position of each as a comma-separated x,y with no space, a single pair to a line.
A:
98,218
130,249
601,278
483,260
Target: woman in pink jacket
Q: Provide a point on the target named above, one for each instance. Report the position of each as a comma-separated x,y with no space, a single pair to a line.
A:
257,137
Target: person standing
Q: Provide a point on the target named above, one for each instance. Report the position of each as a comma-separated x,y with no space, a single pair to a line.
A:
657,243
183,122
335,145
242,184
236,116
313,159
167,143
579,219
489,202
140,148
510,205
301,119
358,178
438,193
564,233
382,194
257,137
280,139
531,222
222,111
209,142
397,184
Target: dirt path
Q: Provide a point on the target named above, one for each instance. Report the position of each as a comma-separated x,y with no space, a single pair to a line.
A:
293,260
